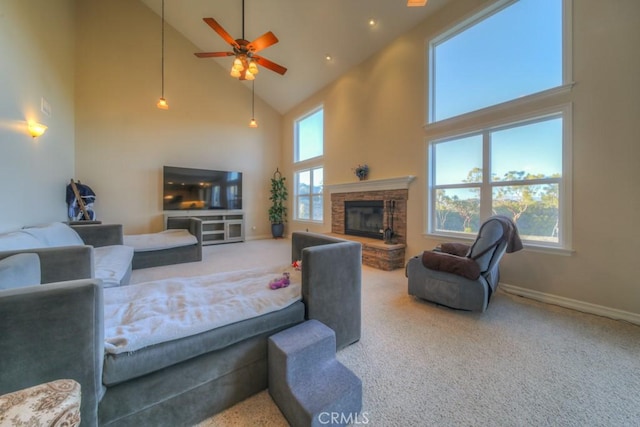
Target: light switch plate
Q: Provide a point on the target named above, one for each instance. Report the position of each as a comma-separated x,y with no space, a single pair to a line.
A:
45,107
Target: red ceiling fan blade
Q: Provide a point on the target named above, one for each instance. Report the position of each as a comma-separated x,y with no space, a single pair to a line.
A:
263,42
213,54
270,65
221,31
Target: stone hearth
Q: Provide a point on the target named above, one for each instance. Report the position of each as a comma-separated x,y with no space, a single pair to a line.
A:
375,253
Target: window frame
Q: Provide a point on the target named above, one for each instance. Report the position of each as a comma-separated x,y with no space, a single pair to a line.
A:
309,196
564,111
469,21
310,164
296,136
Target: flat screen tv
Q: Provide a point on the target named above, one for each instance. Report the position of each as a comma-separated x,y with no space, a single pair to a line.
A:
201,189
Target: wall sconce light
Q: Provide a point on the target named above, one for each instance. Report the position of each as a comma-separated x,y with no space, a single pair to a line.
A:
36,129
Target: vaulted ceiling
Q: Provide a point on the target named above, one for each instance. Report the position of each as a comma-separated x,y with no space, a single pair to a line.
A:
308,31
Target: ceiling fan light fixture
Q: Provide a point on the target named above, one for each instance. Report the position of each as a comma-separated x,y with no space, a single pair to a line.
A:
248,75
244,50
253,68
235,73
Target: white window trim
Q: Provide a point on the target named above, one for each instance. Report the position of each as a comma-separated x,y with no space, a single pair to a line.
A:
565,239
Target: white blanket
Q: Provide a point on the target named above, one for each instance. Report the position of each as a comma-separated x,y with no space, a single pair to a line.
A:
141,315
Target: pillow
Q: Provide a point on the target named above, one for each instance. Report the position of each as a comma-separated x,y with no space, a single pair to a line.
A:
17,240
55,234
19,270
459,249
461,266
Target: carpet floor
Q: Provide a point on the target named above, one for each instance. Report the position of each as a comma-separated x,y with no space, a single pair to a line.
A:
521,363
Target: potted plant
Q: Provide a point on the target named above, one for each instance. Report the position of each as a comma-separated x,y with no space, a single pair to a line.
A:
278,209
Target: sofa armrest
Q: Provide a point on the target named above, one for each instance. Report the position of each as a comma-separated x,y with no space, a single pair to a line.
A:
194,225
54,331
331,283
97,235
305,239
61,263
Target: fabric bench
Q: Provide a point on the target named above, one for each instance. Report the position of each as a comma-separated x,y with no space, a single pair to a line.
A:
181,242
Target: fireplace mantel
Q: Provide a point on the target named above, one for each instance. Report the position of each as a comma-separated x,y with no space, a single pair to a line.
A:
399,183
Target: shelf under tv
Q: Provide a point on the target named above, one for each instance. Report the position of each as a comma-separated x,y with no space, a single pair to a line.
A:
218,226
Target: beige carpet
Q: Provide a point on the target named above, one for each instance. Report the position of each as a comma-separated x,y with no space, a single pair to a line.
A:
522,363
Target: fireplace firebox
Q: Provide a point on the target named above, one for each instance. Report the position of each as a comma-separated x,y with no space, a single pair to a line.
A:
364,218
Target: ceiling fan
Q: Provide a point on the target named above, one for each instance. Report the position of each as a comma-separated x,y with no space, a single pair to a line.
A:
245,66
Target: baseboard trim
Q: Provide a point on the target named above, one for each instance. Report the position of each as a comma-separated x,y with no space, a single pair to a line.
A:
259,237
573,304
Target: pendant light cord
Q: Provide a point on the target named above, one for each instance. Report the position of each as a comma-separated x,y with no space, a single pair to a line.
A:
162,48
242,18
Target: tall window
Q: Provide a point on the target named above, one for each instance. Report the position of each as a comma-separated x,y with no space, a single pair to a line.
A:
509,51
308,170
309,194
516,165
309,136
516,171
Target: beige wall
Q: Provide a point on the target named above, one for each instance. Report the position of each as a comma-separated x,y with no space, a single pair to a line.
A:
375,114
123,140
36,60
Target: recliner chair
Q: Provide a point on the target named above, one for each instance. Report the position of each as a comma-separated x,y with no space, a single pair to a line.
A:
464,282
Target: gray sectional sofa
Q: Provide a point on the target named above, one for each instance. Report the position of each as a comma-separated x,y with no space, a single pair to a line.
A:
74,252
56,331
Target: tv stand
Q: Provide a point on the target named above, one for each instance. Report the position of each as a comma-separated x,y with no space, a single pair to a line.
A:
218,226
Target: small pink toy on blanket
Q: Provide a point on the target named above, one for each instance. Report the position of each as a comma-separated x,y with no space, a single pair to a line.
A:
284,280
280,282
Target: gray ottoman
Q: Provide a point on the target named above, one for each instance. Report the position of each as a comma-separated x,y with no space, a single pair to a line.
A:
308,384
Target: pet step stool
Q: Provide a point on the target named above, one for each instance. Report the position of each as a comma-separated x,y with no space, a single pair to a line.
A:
308,384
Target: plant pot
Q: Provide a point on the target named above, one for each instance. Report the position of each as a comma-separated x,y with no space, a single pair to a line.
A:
277,230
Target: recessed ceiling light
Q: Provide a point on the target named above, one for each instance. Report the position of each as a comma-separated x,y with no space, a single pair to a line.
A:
328,57
372,22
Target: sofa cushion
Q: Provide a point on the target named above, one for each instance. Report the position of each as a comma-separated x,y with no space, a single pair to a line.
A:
17,240
55,234
20,270
125,366
167,239
112,263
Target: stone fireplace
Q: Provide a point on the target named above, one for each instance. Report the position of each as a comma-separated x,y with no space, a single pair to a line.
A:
373,198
